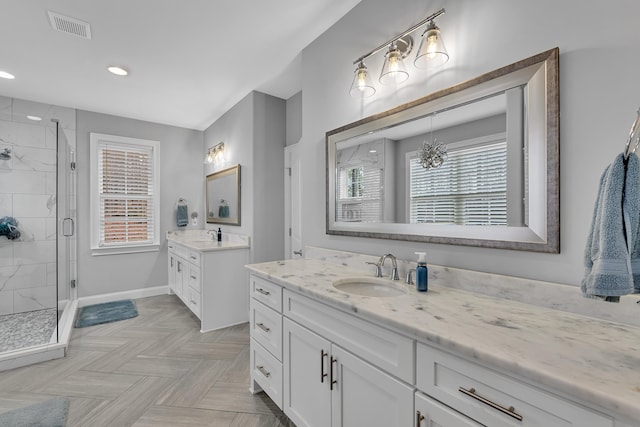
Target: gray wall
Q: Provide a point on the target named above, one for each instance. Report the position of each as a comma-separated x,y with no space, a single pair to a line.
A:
254,135
598,99
181,164
294,118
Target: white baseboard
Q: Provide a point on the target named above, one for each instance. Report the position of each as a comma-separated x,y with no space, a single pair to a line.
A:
116,296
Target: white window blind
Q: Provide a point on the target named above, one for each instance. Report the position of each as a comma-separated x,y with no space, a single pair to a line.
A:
469,188
359,194
126,200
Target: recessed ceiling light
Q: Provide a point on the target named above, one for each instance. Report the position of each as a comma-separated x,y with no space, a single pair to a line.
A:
6,75
119,71
34,118
372,151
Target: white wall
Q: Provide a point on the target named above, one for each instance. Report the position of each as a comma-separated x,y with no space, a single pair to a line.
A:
181,165
599,95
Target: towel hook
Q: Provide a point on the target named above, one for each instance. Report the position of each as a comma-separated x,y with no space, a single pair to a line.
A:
634,134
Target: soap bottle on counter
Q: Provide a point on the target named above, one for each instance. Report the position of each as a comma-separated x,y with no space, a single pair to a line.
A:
219,235
422,273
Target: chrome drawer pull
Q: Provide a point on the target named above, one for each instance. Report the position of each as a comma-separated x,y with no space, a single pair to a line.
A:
323,374
511,411
261,326
263,371
193,258
419,418
193,277
262,291
332,381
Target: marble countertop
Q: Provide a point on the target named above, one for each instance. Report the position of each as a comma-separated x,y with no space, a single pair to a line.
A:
202,241
594,360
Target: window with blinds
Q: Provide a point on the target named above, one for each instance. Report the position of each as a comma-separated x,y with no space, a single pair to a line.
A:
359,194
470,188
125,192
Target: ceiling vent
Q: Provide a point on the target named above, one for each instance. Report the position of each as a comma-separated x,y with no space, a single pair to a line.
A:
70,25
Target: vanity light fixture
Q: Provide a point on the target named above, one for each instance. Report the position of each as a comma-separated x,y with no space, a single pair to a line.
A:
393,69
362,85
215,153
432,53
6,75
118,71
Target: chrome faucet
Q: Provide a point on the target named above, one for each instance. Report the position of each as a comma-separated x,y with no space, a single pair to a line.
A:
380,264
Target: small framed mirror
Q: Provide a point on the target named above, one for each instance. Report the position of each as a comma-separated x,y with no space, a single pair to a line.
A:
223,196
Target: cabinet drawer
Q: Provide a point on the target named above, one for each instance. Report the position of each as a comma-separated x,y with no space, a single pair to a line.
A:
494,399
266,292
266,370
194,277
266,328
431,413
194,257
177,249
383,348
193,300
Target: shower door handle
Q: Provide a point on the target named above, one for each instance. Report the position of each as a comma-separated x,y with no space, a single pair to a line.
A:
68,227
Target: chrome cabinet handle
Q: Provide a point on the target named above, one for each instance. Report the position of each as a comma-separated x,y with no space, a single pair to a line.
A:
419,418
193,277
261,326
298,252
511,411
179,267
193,258
263,371
331,373
323,374
262,291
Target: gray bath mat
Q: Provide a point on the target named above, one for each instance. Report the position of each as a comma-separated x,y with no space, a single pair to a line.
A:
50,413
105,313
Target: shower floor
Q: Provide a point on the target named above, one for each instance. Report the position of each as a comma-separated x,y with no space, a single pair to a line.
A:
22,330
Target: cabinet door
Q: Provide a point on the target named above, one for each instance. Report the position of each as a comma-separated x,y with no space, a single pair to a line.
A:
365,396
307,395
431,413
172,272
180,276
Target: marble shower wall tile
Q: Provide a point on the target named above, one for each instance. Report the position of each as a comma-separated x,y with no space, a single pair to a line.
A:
28,193
6,302
25,182
34,298
22,276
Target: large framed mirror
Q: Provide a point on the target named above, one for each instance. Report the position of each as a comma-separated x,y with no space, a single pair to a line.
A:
223,196
498,186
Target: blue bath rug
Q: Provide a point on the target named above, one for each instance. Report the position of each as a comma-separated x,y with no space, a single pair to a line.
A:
50,413
105,313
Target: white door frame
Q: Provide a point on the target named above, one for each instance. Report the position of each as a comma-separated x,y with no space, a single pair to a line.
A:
292,193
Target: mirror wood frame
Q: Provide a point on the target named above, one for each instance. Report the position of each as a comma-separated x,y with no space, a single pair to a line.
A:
543,232
211,179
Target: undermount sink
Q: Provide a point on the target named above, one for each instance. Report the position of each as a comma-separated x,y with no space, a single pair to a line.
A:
369,287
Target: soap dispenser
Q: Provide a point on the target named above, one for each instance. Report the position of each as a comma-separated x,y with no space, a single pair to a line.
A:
422,273
219,235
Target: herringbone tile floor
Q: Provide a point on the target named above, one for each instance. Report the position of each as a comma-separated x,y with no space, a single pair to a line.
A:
153,370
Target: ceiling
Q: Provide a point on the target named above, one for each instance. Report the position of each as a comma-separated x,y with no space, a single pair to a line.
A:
189,61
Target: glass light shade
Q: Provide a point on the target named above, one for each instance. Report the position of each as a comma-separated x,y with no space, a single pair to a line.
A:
393,69
362,85
432,52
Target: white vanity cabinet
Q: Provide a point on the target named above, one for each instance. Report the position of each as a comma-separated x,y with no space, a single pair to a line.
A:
265,326
494,399
326,384
211,283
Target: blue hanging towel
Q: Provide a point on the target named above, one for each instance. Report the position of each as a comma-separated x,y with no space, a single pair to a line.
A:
182,215
613,249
